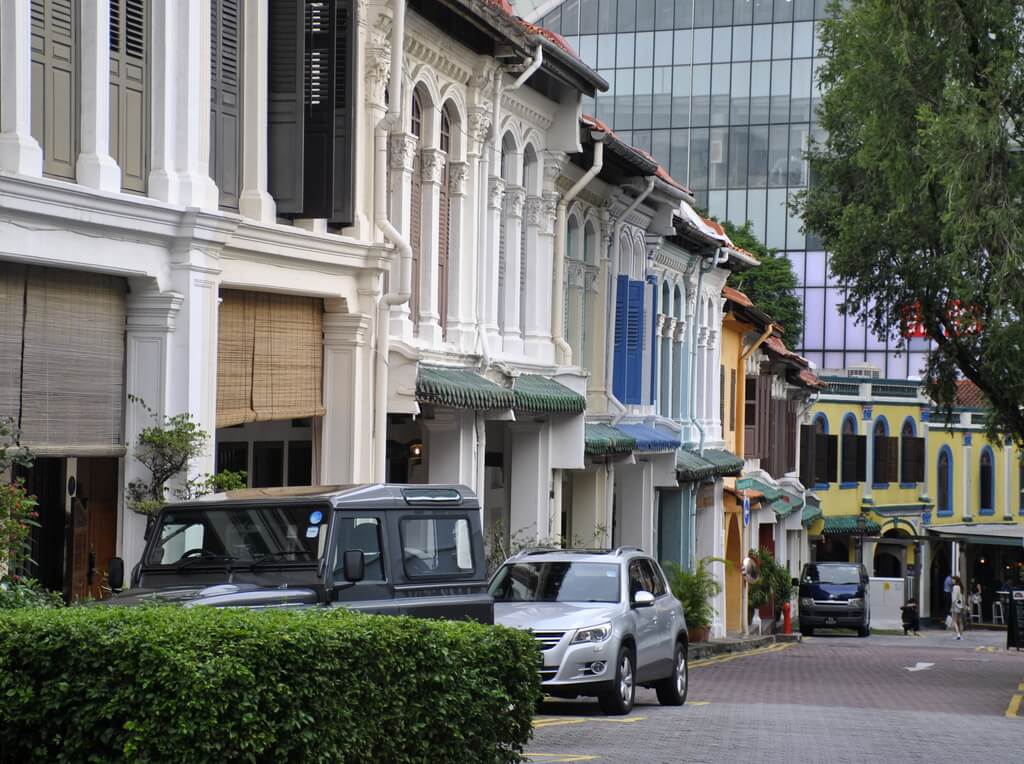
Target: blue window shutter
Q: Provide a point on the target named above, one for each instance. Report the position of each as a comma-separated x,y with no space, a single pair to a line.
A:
635,342
653,281
619,356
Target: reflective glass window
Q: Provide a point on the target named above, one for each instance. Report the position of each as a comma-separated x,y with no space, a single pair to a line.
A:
762,10
684,14
627,16
623,119
680,156
720,94
681,96
740,91
703,13
683,46
782,41
624,50
606,16
701,46
741,43
757,162
783,10
780,91
760,87
644,15
700,101
800,101
743,12
589,11
642,89
803,39
662,106
775,227
797,164
803,9
588,50
663,14
721,44
699,150
761,46
645,49
738,137
571,17
662,48
605,51
718,154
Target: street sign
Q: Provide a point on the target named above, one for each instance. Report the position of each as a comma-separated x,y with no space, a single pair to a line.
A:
746,510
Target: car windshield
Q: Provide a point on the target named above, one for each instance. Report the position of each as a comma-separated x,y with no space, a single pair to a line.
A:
556,582
240,535
832,574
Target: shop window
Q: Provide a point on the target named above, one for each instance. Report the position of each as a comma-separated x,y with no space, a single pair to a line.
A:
267,464
945,482
986,482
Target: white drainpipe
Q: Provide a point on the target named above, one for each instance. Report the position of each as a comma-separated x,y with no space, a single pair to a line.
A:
563,353
392,119
613,247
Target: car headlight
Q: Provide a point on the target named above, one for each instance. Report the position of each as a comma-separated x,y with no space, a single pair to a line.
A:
856,602
806,602
593,634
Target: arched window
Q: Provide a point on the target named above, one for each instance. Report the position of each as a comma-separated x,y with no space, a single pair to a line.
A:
416,208
508,148
531,182
443,222
852,460
986,482
820,424
944,476
849,425
589,287
678,355
885,465
573,287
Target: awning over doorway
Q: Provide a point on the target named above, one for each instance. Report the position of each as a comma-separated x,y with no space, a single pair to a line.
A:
605,440
812,511
460,389
542,395
649,439
978,533
691,466
846,525
780,501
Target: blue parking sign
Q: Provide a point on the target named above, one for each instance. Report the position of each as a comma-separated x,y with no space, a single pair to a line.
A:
746,510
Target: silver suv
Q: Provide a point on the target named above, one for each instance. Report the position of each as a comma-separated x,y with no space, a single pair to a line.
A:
605,621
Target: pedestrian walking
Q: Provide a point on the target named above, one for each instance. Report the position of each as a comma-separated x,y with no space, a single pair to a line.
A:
947,591
911,618
957,608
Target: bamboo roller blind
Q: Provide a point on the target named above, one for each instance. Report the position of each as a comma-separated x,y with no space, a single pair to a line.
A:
269,357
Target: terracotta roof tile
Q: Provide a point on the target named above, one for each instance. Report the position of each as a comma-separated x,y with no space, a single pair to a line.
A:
969,395
810,379
736,296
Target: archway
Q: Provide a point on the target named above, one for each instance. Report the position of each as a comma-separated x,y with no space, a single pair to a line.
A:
890,558
888,565
733,576
939,570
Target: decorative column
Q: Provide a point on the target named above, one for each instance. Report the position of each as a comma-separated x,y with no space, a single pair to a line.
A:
701,390
530,301
867,425
255,201
679,354
512,339
432,164
925,416
19,151
492,260
714,421
1008,509
402,148
461,263
95,167
967,505
530,476
451,447
347,423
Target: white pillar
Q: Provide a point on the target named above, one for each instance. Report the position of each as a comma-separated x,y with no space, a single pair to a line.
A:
151,323
433,161
491,258
927,458
867,424
180,123
255,201
968,467
1007,460
461,260
540,241
714,394
515,199
530,477
95,167
451,448
403,147
347,423
19,151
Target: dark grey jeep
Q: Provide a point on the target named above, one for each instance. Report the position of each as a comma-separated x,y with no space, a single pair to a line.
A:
391,549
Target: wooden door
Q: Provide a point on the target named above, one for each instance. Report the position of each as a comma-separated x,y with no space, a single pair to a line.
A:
94,526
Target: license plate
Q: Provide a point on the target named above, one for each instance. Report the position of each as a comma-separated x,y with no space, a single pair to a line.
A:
830,621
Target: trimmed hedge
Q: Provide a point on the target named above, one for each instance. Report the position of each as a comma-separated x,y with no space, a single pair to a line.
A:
168,684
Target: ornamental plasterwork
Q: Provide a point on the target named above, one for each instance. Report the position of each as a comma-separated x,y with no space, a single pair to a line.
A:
574,272
495,192
534,210
432,164
550,208
480,123
712,338
659,323
590,275
679,335
702,336
515,198
554,161
403,149
438,60
458,174
514,106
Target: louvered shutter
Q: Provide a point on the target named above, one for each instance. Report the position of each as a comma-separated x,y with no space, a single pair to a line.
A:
764,416
443,221
285,113
862,458
821,453
732,400
523,271
342,210
225,100
879,459
12,324
852,455
635,342
129,104
832,461
54,85
912,460
619,354
721,394
892,462
654,339
416,235
808,455
318,68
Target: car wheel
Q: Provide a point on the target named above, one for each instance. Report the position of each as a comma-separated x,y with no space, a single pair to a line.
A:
672,691
864,631
619,700
807,631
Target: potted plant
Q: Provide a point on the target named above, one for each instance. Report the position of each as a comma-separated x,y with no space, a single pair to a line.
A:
695,589
771,588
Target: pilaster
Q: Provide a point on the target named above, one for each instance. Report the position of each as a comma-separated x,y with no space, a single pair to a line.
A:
255,200
348,424
432,164
19,151
95,167
515,199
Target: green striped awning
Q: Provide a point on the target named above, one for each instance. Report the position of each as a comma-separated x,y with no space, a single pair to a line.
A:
846,525
605,440
811,513
460,389
546,396
691,466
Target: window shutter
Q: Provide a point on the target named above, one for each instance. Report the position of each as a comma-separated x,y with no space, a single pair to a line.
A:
764,415
444,219
619,354
892,472
225,100
285,113
654,340
635,342
129,112
416,235
12,325
318,98
721,394
853,462
344,145
832,462
808,457
821,455
912,460
862,458
54,85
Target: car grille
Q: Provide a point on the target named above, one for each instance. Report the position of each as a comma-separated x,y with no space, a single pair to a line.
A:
546,675
548,639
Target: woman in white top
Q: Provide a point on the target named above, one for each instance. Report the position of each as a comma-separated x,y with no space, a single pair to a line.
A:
957,606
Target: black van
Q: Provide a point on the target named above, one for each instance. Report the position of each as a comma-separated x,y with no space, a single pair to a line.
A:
834,595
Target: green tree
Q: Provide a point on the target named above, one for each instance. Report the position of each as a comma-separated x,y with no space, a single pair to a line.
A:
916,191
772,285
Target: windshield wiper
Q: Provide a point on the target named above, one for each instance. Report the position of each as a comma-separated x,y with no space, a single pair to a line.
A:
204,558
272,557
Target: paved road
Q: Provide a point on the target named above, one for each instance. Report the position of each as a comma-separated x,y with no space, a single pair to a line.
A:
833,698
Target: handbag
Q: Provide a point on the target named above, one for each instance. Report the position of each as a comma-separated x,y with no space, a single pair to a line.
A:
949,620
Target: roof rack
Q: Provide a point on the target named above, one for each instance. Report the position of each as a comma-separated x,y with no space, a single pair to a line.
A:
619,552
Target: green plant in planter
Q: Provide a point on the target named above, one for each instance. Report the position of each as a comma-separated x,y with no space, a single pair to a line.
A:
695,589
773,585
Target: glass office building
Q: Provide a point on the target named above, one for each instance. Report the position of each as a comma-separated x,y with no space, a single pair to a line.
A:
723,93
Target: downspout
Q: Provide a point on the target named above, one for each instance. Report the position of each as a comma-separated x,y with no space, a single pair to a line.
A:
485,159
391,120
563,353
613,251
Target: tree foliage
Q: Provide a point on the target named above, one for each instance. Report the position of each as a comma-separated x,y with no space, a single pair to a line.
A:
916,190
772,285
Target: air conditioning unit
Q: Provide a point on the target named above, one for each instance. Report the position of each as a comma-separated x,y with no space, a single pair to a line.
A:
864,371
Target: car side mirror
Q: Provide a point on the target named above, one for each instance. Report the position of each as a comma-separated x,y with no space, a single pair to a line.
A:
796,582
354,565
643,599
115,574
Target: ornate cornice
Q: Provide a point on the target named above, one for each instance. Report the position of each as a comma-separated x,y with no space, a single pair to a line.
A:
440,60
513,105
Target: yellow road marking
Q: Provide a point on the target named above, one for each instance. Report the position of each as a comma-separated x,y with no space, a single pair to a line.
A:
1014,707
556,722
560,757
561,721
984,649
733,656
1021,686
